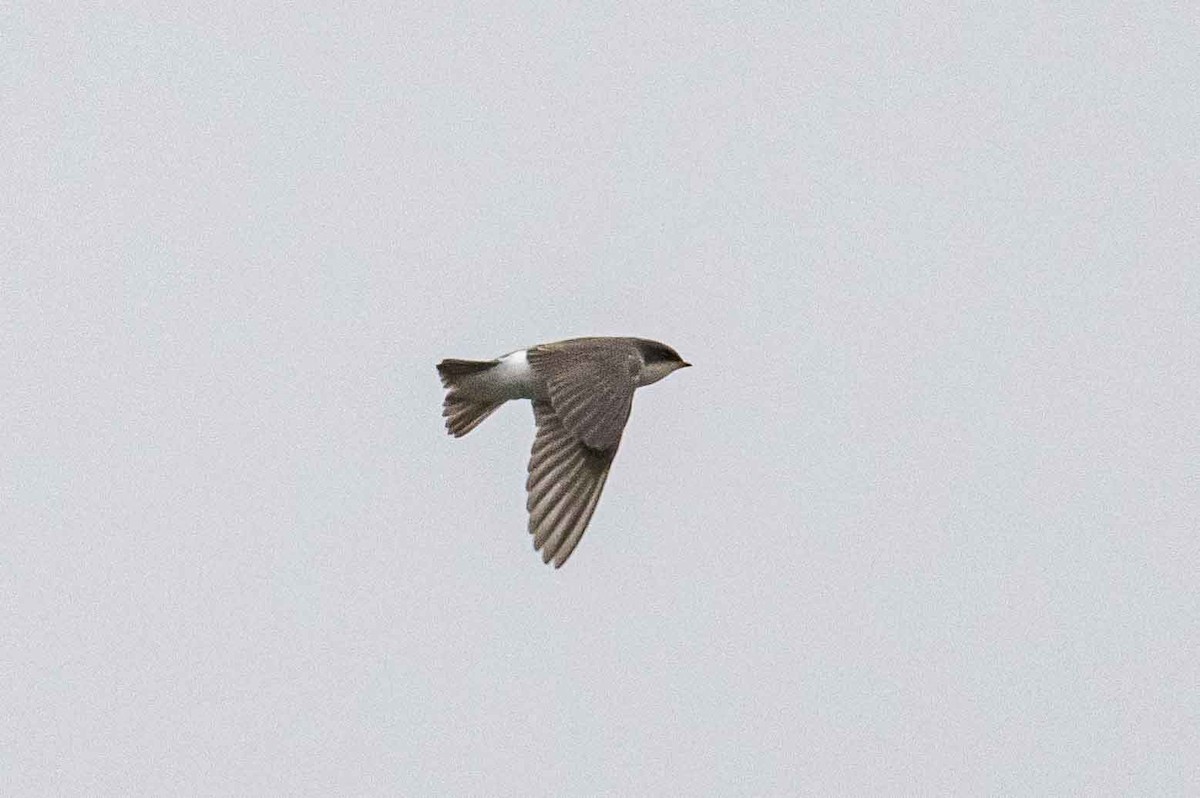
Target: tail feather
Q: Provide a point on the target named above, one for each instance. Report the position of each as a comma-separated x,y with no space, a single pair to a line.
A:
462,413
450,369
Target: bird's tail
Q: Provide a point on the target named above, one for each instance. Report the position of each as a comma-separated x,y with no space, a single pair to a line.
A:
462,413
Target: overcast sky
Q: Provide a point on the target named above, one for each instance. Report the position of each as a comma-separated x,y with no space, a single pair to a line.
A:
922,519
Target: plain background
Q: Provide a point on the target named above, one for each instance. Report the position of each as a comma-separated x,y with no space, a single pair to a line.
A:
922,519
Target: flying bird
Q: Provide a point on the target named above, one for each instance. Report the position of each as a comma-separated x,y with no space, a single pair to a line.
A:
582,390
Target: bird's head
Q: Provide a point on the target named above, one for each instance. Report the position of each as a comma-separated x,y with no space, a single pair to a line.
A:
658,360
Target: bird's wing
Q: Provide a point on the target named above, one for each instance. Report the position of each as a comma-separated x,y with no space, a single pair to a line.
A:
590,388
566,477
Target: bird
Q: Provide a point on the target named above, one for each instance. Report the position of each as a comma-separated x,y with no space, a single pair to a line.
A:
582,391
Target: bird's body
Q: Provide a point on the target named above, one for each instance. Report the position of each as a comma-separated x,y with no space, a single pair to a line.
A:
582,391
510,378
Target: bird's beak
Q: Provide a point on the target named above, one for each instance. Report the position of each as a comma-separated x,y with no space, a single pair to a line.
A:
685,365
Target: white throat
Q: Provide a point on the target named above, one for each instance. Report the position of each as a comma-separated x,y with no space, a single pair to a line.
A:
653,372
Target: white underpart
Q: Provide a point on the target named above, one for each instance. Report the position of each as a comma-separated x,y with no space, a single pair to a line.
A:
510,378
653,372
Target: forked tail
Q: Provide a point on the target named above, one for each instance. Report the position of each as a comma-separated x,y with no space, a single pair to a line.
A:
462,413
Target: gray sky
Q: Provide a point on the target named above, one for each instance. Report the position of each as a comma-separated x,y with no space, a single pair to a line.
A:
922,519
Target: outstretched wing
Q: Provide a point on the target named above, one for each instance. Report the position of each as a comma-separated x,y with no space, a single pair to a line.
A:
566,477
590,391
590,388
